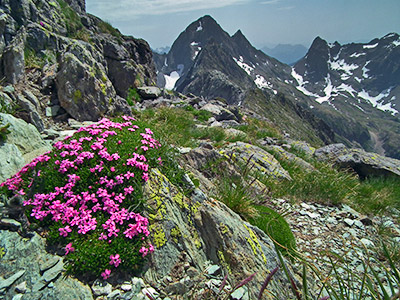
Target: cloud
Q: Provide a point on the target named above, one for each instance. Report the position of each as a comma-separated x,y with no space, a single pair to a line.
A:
270,2
124,9
287,7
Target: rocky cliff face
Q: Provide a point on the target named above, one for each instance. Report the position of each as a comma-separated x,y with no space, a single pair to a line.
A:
75,64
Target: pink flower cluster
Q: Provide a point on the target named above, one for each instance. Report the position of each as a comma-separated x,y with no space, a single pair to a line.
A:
106,274
77,209
115,260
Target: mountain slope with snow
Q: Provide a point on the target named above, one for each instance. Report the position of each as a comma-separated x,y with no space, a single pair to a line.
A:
360,82
366,73
351,90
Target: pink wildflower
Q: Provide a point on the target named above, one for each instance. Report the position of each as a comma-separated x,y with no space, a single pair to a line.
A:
106,274
144,251
115,260
151,248
128,190
145,176
129,175
64,231
102,236
69,248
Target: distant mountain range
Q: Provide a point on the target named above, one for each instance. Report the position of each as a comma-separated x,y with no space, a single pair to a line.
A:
286,53
162,50
340,93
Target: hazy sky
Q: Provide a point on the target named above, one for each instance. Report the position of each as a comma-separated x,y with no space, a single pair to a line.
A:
263,22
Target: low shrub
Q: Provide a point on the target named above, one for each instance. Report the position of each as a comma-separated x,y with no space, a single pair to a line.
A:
106,27
86,195
33,60
72,20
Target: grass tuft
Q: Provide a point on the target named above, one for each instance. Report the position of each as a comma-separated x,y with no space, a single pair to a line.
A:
276,227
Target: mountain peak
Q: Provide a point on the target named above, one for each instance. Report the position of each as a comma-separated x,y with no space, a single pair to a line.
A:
239,37
205,23
241,41
318,42
239,33
207,18
316,59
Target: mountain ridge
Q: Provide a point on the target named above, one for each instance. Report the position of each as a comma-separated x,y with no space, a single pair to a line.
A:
322,74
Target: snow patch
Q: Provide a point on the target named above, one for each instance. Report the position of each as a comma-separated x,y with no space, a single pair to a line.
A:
196,52
170,80
389,35
166,62
327,90
355,54
337,55
261,83
243,65
359,107
396,43
370,46
347,88
341,65
357,79
377,101
301,84
344,76
199,28
365,70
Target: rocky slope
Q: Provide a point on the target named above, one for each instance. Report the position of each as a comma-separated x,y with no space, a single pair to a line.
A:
198,239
